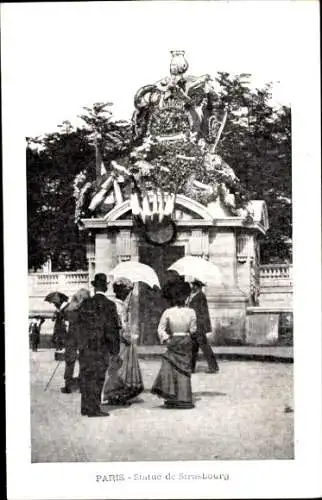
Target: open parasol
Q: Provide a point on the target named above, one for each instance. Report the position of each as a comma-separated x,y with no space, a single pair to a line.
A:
56,298
197,268
135,271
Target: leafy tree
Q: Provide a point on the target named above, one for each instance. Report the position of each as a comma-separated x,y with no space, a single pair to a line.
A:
50,173
256,143
52,164
109,136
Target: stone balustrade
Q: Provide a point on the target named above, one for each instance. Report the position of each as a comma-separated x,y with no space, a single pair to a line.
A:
276,282
40,284
269,273
61,280
276,285
275,298
276,271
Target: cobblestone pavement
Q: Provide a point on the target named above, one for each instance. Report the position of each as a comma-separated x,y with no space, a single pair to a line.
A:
243,412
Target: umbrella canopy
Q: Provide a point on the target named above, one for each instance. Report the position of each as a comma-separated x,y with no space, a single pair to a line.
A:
135,271
197,268
56,298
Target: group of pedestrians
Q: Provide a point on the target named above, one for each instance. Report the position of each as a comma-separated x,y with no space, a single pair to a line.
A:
99,330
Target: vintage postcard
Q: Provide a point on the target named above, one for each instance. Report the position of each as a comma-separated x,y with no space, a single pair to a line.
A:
162,240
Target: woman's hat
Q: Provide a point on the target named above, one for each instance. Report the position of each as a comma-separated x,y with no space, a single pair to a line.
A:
100,279
178,290
126,282
198,283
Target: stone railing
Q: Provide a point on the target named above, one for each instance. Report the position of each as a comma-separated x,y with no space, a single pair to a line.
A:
275,290
40,284
59,281
270,274
276,271
276,285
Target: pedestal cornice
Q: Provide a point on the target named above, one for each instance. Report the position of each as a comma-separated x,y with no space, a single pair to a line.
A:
231,222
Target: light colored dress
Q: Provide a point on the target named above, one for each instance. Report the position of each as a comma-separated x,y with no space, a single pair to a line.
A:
173,382
123,380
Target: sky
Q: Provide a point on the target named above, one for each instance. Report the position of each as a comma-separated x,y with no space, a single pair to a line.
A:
70,55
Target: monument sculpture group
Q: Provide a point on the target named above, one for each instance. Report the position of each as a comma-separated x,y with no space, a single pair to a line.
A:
173,195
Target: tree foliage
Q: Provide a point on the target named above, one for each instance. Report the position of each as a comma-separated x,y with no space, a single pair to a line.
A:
50,173
112,137
257,144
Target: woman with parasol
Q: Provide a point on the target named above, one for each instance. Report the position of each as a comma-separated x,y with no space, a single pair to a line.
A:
59,300
123,379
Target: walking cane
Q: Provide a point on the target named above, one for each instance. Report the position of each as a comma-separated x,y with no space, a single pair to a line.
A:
52,376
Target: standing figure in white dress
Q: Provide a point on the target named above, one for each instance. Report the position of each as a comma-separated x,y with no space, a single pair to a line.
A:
123,379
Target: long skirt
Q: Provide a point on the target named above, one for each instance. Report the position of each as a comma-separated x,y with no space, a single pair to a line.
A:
173,382
123,381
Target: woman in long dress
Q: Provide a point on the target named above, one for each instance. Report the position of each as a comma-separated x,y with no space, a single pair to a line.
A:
123,379
177,323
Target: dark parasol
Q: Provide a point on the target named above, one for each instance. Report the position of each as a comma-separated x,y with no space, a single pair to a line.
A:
56,298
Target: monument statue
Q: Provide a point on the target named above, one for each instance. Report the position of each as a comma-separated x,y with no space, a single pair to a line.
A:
172,182
176,127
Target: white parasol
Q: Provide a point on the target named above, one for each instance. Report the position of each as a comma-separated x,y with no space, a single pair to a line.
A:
135,271
198,268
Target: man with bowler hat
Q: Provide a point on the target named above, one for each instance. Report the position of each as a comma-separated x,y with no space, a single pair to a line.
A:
198,302
99,345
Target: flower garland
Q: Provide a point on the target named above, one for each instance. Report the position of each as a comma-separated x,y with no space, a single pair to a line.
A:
176,165
168,122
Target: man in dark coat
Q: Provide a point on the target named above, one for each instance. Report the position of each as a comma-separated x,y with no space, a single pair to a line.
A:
198,302
99,341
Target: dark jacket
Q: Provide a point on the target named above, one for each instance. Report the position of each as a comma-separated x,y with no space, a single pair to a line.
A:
199,303
34,333
72,338
59,332
99,325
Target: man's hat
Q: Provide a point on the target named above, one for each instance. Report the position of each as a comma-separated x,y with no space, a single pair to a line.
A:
198,283
100,279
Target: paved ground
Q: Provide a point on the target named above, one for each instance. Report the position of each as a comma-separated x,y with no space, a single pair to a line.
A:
244,412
